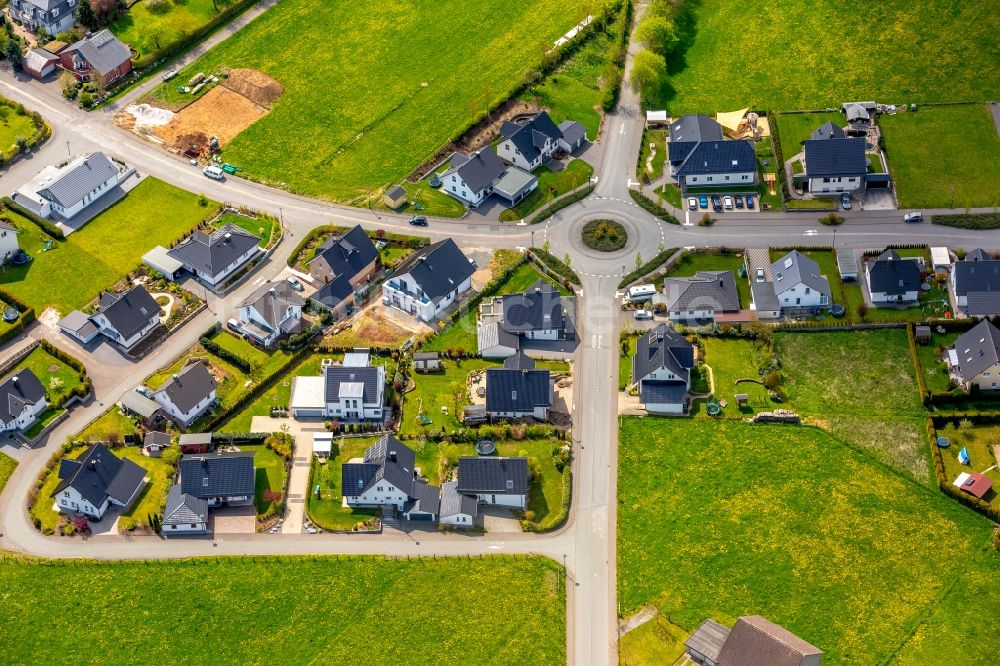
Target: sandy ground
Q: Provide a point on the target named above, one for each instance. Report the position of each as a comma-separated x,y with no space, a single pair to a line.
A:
219,112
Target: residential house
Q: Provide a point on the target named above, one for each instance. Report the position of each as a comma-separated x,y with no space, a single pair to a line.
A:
188,394
662,369
98,57
22,399
196,442
352,256
892,279
270,312
975,283
127,318
387,476
494,480
859,116
51,16
470,178
456,509
424,502
699,157
430,280
833,161
61,192
219,478
184,514
685,134
154,442
798,283
9,245
95,481
753,641
427,361
214,257
701,296
39,63
352,391
537,314
530,144
974,359
518,390
134,403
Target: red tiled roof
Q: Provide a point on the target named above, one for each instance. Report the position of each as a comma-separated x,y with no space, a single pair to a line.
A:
980,485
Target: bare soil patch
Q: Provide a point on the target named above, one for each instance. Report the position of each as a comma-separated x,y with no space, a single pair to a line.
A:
220,112
256,86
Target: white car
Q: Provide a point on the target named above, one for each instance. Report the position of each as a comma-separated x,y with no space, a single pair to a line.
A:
692,204
727,203
643,314
214,172
294,284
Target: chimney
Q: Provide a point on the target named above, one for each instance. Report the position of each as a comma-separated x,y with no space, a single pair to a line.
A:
392,456
228,235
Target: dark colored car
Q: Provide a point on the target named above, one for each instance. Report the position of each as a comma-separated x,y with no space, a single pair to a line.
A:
739,200
750,202
716,203
418,221
703,202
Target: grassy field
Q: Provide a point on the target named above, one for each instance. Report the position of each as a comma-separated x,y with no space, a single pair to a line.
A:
932,364
656,642
271,473
13,126
730,360
148,31
693,262
791,55
551,184
859,385
72,273
57,377
794,128
327,510
264,362
392,87
111,423
944,156
262,227
7,466
292,610
978,441
790,523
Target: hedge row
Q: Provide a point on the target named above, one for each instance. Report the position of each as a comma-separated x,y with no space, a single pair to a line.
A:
968,221
912,341
647,268
567,200
615,70
313,234
71,361
561,514
41,222
554,265
652,207
213,348
27,316
779,157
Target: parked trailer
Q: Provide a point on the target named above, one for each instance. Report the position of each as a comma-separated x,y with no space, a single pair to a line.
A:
642,292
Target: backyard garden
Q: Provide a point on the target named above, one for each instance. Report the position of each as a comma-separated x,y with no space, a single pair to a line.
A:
791,523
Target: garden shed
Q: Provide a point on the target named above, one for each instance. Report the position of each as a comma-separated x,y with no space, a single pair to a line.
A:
656,118
940,259
922,334
394,197
847,264
322,444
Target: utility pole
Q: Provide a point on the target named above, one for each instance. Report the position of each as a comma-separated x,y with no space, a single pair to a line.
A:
69,154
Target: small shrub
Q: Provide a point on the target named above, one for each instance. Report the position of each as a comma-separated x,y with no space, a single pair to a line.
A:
706,220
862,310
831,220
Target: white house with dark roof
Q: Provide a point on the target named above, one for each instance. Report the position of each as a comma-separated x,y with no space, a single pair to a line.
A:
95,481
221,478
892,279
494,480
518,390
272,311
833,161
184,514
530,144
9,245
127,318
470,178
975,284
351,391
430,280
701,296
536,314
62,191
387,476
974,358
22,399
700,157
214,257
798,282
661,367
188,394
52,16
456,509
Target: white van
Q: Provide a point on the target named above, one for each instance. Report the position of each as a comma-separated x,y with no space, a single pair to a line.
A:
214,172
641,292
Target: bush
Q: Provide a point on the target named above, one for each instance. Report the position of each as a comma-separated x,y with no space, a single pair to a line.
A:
280,443
831,220
567,200
652,207
555,265
646,268
41,222
706,220
969,221
604,235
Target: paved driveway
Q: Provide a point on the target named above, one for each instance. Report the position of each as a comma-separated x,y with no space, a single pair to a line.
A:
232,520
499,520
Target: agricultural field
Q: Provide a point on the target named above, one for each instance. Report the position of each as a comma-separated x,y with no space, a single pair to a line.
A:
944,157
149,27
103,251
860,386
322,605
394,70
788,55
692,262
793,524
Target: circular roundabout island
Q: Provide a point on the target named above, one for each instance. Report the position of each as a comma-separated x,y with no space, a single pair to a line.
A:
604,235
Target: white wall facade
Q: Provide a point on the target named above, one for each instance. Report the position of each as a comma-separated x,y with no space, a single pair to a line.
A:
801,295
508,152
111,332
87,199
70,501
381,494
408,297
720,179
516,501
219,277
249,314
685,315
8,245
458,520
184,419
199,527
26,417
458,188
664,408
835,184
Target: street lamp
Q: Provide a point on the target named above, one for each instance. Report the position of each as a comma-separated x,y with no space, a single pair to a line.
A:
69,154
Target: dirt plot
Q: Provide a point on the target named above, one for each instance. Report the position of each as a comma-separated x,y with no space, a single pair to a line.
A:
220,112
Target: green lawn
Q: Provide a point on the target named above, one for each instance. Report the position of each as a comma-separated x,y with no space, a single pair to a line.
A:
44,419
422,199
653,170
692,262
656,642
794,128
57,377
148,31
390,86
261,227
271,474
327,510
13,126
7,466
860,385
111,423
293,610
932,364
265,362
723,519
551,185
765,152
978,442
153,499
733,359
72,273
789,55
625,363
944,156
433,391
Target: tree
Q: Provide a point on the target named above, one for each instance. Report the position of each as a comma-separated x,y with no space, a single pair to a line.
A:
648,70
566,259
85,15
657,34
457,396
772,380
862,310
638,261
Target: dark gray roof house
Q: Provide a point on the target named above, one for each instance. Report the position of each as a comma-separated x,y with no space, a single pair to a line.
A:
572,132
100,475
79,180
687,132
519,361
492,475
130,312
979,254
334,292
212,254
184,509
367,377
387,459
976,350
719,157
827,130
454,503
511,391
438,269
424,499
19,392
835,157
53,16
706,642
977,280
213,476
478,170
796,268
272,301
538,309
190,386
662,347
346,255
756,641
155,438
893,275
529,138
705,290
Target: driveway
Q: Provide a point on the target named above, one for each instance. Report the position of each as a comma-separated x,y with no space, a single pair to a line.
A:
232,520
298,478
879,199
499,520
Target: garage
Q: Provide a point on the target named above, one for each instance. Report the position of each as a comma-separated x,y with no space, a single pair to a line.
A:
308,397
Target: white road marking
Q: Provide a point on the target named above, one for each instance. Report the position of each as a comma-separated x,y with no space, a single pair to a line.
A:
621,128
810,232
593,341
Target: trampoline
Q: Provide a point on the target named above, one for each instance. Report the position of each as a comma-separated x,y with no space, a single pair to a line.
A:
837,310
712,409
434,182
11,315
20,258
943,442
486,447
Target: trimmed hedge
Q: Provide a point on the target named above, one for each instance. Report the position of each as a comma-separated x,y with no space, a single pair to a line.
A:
974,503
615,71
555,265
27,316
779,157
971,221
647,268
41,222
215,349
652,207
313,234
566,201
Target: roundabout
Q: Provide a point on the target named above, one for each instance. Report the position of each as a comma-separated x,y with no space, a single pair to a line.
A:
604,235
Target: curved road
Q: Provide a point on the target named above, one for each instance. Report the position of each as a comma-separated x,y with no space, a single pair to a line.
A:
586,544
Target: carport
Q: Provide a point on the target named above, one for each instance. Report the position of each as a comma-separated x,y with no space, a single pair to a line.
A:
161,262
515,184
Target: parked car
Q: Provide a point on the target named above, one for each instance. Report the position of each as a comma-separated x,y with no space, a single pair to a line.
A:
214,172
294,284
234,326
750,202
716,203
692,204
703,202
739,200
913,217
418,221
761,276
845,201
727,203
643,314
